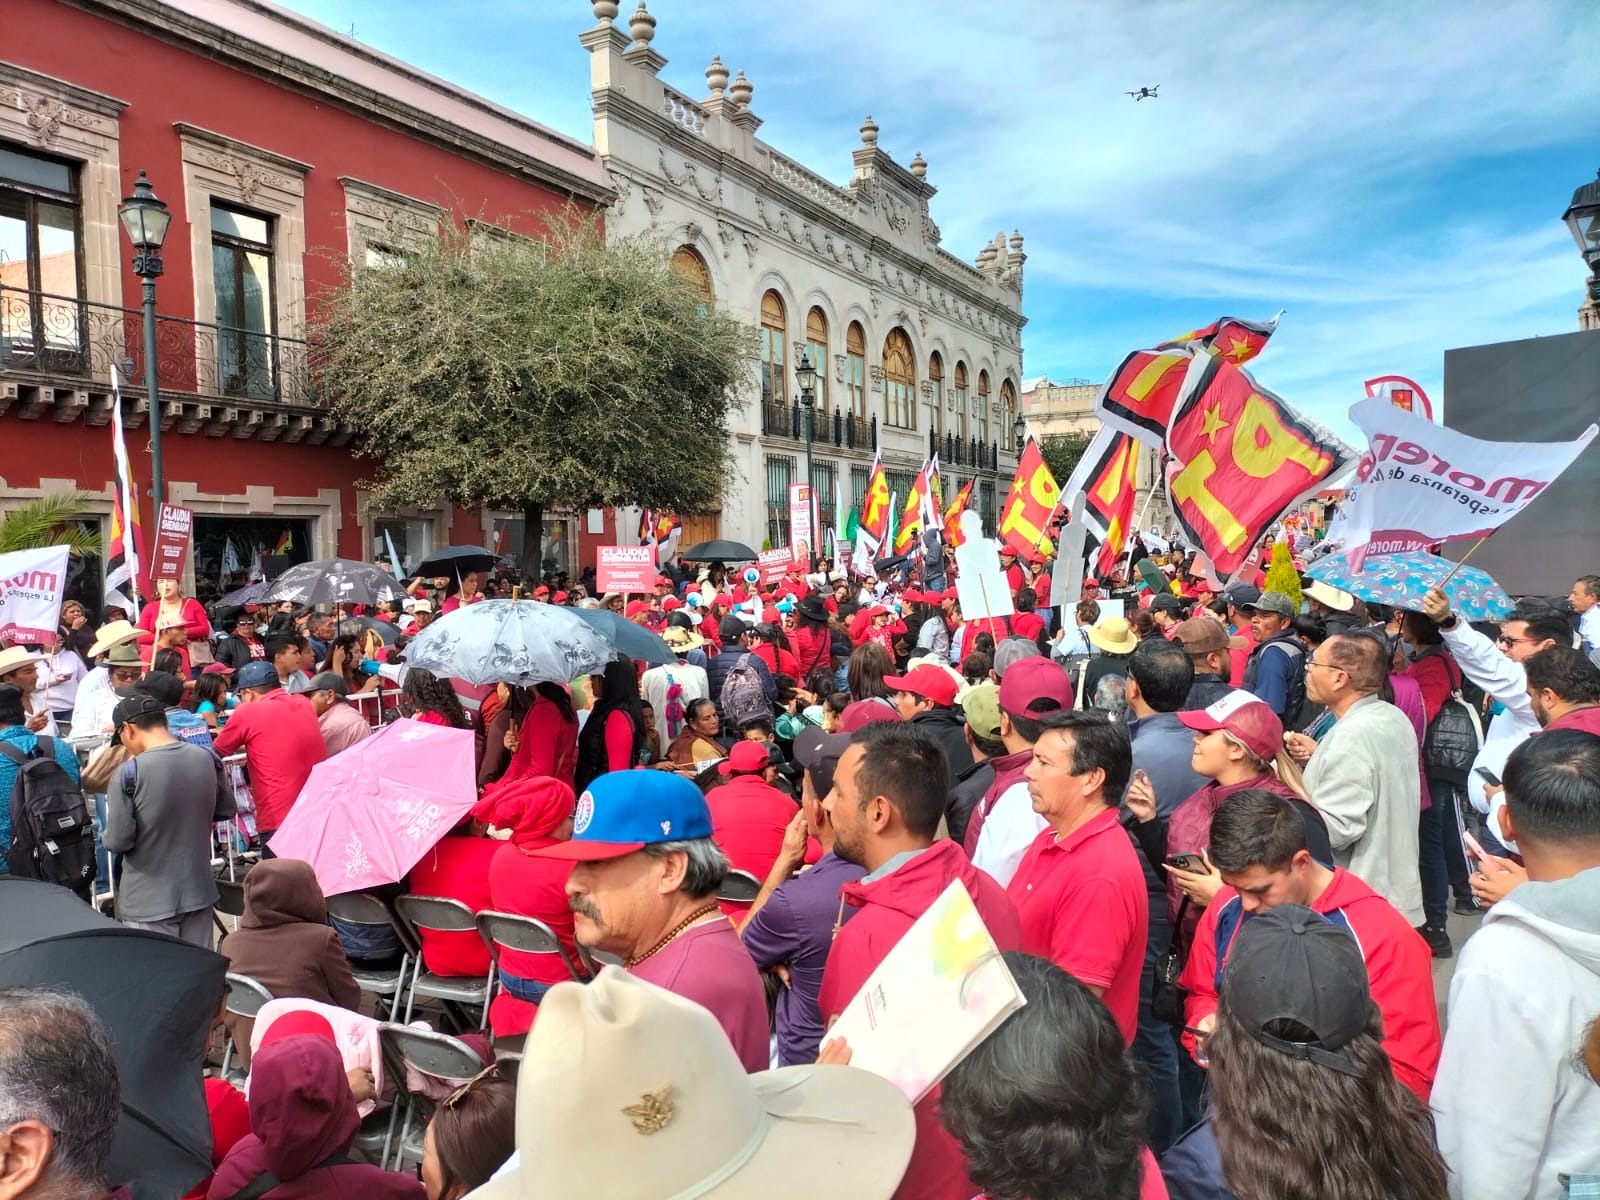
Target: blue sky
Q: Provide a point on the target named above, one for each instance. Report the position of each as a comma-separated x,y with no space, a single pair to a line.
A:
1390,172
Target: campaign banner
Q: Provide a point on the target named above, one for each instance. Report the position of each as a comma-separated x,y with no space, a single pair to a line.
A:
174,530
1419,483
625,569
802,533
31,585
773,565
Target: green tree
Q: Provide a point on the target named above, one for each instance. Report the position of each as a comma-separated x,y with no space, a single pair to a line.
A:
1281,575
505,372
1061,453
47,521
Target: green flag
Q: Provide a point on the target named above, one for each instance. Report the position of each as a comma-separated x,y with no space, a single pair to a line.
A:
852,525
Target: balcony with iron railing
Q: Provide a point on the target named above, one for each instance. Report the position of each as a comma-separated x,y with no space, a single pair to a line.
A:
831,429
61,339
954,450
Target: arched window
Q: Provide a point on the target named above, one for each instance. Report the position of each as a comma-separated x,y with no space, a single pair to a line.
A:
817,347
899,381
936,394
1007,415
855,369
690,267
981,406
959,424
774,381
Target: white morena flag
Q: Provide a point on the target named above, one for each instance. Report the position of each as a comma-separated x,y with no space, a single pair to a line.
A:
1419,483
31,586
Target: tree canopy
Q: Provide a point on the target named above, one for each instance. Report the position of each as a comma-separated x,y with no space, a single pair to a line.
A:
504,372
1061,452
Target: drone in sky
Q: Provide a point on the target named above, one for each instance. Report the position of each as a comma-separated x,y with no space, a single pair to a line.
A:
1145,93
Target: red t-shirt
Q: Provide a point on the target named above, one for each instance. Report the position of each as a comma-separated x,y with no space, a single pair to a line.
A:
457,868
779,661
748,820
1083,905
229,1113
529,887
282,741
1027,624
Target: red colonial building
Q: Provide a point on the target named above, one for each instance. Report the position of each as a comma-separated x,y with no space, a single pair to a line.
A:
281,148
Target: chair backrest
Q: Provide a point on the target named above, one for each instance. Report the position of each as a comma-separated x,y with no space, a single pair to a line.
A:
517,932
246,996
437,1055
739,887
594,959
230,897
363,908
437,914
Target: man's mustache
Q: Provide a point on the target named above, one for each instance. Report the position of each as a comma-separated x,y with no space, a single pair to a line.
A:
583,907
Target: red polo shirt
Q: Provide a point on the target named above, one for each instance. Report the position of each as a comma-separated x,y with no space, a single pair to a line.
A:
1083,905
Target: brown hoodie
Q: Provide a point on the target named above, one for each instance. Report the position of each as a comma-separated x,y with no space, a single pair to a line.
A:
285,943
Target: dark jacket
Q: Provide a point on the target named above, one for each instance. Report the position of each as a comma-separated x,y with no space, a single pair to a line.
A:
1192,1169
1205,691
970,785
233,651
947,727
302,1113
284,942
719,664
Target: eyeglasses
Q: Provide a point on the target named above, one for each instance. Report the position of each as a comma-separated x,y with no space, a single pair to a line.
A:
1502,640
492,1071
1325,666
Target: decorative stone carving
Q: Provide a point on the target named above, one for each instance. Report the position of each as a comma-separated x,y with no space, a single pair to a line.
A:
930,231
605,11
652,201
621,185
741,90
838,368
869,132
725,235
250,177
896,212
45,115
751,245
717,75
919,165
642,25
877,376
926,387
688,179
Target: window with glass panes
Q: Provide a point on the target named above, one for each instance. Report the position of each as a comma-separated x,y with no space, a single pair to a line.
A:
822,486
899,381
858,486
1007,415
936,395
780,474
959,424
981,406
41,260
855,369
817,348
986,504
241,271
774,382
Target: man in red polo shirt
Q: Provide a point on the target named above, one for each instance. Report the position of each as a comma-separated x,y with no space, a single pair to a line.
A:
749,816
1079,890
1258,843
280,738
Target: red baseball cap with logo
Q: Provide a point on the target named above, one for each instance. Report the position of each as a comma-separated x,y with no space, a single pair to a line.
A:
928,681
1243,717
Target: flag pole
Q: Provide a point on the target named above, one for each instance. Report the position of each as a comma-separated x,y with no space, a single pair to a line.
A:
1463,560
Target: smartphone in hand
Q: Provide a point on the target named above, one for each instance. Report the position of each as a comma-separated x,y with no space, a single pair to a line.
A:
1192,863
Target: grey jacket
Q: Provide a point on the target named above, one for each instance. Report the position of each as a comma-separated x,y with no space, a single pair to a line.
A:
1363,779
159,812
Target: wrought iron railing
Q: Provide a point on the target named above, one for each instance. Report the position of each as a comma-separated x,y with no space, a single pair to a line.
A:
64,336
833,428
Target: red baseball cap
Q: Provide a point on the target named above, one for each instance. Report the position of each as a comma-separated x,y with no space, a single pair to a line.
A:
746,758
866,712
541,590
950,593
1034,678
928,681
635,607
670,603
1246,719
558,598
912,596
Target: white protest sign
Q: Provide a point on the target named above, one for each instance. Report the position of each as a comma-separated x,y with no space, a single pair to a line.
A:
31,584
1419,483
981,586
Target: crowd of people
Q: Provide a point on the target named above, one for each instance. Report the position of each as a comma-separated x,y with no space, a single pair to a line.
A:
1216,834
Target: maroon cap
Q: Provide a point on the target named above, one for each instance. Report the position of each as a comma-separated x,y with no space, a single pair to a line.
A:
1034,678
928,681
866,712
1244,717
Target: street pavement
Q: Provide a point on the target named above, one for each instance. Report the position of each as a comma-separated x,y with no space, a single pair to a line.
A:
1444,968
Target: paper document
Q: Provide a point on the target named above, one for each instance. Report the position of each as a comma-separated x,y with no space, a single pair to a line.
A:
935,996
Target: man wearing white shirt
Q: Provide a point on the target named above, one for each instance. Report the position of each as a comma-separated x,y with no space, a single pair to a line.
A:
1496,667
1585,601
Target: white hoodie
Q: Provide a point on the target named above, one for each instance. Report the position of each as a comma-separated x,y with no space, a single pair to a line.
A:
1515,1107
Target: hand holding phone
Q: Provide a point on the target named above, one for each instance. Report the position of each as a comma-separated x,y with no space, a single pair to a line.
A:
1487,776
1195,864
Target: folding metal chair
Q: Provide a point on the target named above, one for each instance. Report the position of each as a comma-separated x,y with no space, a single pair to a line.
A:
437,914
435,1055
246,996
512,931
739,887
593,959
386,984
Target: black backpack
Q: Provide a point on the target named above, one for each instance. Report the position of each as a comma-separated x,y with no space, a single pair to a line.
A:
52,832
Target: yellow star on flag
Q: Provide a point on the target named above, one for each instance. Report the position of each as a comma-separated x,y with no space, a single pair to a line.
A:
1214,424
1239,349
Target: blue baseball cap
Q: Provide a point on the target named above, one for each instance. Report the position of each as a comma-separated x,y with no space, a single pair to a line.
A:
257,674
624,811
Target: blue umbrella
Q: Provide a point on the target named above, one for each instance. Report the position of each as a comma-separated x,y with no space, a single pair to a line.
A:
629,637
1401,580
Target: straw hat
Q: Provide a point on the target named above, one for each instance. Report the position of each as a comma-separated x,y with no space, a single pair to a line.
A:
630,1092
1115,636
17,656
114,634
682,640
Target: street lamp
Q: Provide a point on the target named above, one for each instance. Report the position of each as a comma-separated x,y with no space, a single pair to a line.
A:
146,219
1583,218
1019,431
806,374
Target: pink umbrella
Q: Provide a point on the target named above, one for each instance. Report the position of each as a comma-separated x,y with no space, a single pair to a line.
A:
367,815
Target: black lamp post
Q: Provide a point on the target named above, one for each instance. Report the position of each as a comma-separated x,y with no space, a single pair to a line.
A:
146,220
1583,218
806,374
1019,431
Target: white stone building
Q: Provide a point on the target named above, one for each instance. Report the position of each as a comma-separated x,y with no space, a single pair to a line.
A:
914,347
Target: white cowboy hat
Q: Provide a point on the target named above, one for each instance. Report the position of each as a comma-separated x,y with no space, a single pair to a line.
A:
17,656
1335,599
114,634
630,1092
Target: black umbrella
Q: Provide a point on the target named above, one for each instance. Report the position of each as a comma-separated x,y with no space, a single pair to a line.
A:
627,636
250,593
386,632
155,994
335,581
721,550
455,561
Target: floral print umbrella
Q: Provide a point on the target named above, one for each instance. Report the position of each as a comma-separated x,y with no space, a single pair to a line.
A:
1401,580
510,641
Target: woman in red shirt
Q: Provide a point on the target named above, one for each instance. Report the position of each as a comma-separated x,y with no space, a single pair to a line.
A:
538,812
613,738
171,607
541,734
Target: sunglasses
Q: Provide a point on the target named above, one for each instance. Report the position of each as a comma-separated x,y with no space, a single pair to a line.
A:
492,1071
